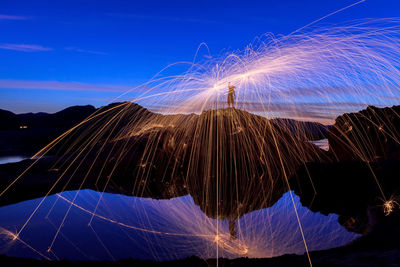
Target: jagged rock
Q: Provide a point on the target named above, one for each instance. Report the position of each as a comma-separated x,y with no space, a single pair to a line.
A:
368,135
366,147
347,189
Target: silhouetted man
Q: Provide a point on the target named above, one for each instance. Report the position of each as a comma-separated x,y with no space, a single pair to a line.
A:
231,95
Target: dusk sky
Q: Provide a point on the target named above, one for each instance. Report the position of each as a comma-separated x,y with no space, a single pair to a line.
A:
55,54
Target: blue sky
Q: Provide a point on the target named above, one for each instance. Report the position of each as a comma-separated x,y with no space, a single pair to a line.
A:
54,54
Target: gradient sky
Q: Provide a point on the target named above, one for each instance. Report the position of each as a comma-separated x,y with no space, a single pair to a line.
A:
55,54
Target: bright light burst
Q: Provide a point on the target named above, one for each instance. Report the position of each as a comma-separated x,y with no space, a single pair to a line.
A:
390,205
316,75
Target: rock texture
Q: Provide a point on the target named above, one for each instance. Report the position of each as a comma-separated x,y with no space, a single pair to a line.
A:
363,176
368,135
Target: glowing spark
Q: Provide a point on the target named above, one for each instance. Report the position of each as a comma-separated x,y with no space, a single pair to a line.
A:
389,206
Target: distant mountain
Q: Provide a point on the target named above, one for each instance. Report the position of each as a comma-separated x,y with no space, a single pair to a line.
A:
305,130
64,118
25,134
8,120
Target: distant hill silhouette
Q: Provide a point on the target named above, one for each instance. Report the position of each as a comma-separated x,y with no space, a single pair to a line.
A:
64,118
8,120
305,130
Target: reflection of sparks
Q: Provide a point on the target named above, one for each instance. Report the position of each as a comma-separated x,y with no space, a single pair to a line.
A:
127,225
15,238
224,242
228,245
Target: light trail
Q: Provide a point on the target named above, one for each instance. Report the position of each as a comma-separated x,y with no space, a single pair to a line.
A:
15,237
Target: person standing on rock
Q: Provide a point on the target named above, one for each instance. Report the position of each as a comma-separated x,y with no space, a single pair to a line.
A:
231,95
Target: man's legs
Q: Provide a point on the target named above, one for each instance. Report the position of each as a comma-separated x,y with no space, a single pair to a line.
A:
230,100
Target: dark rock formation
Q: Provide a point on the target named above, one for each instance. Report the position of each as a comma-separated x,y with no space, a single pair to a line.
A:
368,135
348,189
231,162
366,145
241,162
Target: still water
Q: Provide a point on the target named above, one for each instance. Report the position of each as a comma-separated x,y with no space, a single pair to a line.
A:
106,226
11,159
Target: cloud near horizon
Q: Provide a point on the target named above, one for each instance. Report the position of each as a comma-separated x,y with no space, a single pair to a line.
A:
161,18
25,47
80,50
13,17
56,85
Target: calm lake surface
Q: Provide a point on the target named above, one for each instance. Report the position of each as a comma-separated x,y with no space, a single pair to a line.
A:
133,227
12,159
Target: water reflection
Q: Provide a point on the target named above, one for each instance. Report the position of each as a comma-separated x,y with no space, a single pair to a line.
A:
144,228
322,143
11,159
